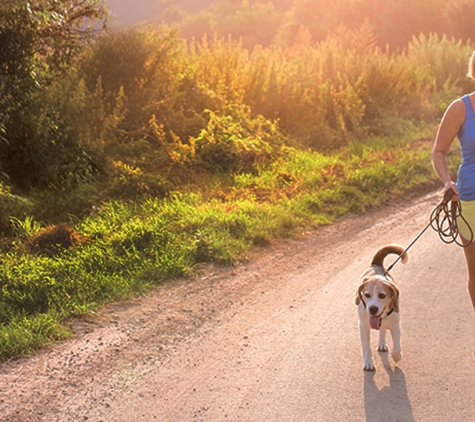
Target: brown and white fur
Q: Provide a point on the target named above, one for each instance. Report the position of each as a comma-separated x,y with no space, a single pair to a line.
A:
377,299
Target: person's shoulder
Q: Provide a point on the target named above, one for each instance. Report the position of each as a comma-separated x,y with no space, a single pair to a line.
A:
457,104
456,109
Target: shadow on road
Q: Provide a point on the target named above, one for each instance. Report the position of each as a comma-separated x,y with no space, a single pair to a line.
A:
391,403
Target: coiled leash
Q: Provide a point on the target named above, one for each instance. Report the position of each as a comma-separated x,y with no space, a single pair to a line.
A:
443,220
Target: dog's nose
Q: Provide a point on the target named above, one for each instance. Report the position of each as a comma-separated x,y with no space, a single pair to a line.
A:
373,310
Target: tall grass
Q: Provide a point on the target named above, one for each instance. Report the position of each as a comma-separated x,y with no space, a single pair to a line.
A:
339,90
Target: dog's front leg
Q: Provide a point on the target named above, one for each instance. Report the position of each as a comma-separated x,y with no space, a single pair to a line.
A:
368,364
396,336
382,345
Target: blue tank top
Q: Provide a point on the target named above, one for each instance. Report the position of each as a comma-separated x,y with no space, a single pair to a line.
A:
466,136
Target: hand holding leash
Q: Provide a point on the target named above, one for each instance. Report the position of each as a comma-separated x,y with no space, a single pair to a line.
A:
444,221
449,194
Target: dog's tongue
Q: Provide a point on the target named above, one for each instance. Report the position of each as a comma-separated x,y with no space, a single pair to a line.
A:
375,322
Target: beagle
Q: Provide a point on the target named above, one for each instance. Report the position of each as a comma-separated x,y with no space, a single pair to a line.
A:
377,299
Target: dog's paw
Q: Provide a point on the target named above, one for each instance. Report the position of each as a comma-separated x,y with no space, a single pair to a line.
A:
383,347
397,355
368,366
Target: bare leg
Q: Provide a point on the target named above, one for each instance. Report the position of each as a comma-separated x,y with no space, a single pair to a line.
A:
470,258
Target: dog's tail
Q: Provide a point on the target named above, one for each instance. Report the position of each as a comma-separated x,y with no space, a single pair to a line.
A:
378,258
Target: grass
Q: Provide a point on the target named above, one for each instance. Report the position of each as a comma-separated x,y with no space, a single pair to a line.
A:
127,248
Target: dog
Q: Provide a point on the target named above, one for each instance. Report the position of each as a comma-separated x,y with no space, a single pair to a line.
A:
377,299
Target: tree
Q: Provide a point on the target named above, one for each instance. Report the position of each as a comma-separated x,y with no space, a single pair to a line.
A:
42,32
252,22
39,40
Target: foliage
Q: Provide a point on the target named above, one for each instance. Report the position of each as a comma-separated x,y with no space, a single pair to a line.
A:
145,107
440,63
136,63
460,17
39,40
11,207
261,22
39,33
141,114
252,22
237,142
323,96
44,148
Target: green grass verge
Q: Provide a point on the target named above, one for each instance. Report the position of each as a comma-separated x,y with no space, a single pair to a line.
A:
129,247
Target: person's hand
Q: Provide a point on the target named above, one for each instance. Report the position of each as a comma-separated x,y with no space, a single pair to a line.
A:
451,185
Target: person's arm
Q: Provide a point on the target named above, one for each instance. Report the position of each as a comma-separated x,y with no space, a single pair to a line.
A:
449,126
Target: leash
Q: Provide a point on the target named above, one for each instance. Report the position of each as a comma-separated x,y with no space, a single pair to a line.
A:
444,221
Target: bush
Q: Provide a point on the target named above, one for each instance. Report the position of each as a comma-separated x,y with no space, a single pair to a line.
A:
39,41
237,142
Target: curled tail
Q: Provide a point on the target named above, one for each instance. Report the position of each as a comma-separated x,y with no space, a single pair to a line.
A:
378,258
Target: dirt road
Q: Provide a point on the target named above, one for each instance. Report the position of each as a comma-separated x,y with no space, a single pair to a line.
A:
272,340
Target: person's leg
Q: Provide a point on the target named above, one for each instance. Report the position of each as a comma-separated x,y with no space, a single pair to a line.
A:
470,258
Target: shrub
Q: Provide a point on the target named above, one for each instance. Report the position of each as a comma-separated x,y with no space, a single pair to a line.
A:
237,142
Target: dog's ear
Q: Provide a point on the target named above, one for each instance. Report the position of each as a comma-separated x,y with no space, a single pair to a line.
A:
394,304
358,294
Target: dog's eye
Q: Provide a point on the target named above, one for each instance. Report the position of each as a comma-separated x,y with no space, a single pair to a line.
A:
367,295
382,296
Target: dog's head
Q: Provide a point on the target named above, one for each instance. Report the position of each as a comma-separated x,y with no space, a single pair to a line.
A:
379,294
